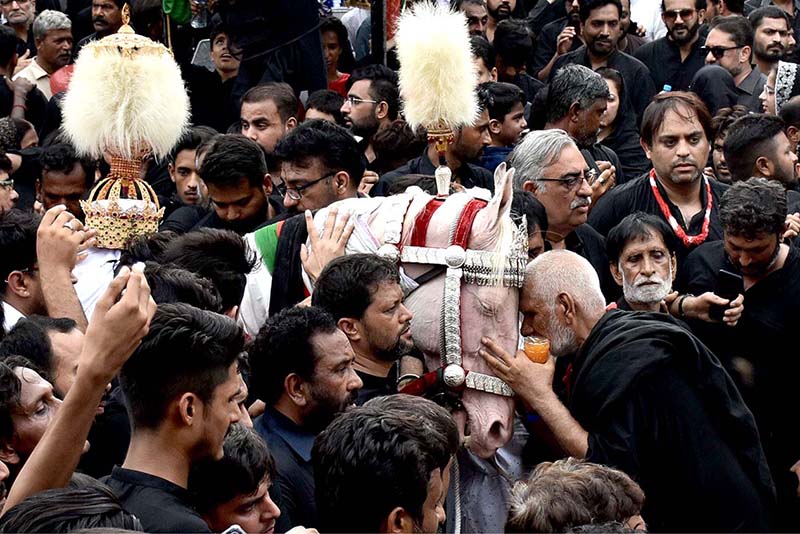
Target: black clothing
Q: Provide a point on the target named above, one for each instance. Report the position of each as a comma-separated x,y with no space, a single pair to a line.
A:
543,13
764,337
598,152
159,504
468,175
624,141
529,85
632,44
750,5
637,195
546,45
715,86
287,280
290,446
636,75
109,438
586,242
658,405
663,58
26,46
210,98
36,104
375,386
750,89
186,218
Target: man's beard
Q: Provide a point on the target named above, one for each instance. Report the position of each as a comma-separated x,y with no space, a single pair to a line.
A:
762,269
563,340
326,409
367,128
502,12
244,226
586,139
398,350
689,36
640,293
771,54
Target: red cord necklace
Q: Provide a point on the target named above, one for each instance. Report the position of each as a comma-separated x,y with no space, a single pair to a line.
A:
688,240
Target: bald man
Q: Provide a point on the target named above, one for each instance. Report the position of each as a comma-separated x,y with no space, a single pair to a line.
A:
645,396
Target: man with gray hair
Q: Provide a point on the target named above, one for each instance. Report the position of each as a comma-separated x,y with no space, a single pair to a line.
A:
576,101
52,31
645,396
549,164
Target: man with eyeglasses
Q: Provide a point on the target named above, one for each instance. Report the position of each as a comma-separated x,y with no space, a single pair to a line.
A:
772,36
372,103
675,58
549,164
8,196
729,44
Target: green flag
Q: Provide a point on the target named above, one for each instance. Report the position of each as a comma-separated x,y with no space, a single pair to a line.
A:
178,10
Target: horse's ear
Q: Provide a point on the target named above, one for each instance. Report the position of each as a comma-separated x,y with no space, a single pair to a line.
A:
499,206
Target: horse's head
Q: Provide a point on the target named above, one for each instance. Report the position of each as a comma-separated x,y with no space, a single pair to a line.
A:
488,309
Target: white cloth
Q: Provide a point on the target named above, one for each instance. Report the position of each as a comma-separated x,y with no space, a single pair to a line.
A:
11,316
647,13
352,21
37,76
254,309
94,273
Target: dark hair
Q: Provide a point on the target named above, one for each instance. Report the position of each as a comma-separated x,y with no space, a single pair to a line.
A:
170,283
526,204
483,49
790,112
513,42
606,527
186,350
332,145
395,145
638,226
10,391
281,94
749,138
68,509
500,98
392,443
144,248
698,5
218,26
61,157
613,75
757,16
587,6
753,207
246,463
735,6
283,346
8,44
737,27
231,158
18,242
327,101
30,336
191,139
677,102
574,84
571,492
346,285
383,86
724,118
346,59
221,256
12,132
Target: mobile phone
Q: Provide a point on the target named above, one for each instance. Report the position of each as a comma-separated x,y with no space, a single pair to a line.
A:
729,286
234,529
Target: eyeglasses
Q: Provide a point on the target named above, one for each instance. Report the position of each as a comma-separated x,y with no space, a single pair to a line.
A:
296,193
717,51
7,184
683,13
590,175
354,100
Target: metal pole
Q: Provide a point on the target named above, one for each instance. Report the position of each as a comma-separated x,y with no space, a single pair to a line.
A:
378,23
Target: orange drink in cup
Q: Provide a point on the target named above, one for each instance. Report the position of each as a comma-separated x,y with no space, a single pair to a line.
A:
537,348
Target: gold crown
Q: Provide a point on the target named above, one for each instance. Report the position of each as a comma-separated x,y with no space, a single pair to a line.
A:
122,206
127,42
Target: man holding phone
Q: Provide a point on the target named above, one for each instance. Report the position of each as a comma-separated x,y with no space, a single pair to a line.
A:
753,215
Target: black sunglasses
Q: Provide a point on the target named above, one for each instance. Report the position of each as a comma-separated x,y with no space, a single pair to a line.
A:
684,13
717,51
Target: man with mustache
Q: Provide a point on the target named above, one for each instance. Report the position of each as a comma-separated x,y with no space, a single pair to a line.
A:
675,58
362,292
549,164
752,214
771,36
106,19
52,31
19,15
499,10
676,128
303,369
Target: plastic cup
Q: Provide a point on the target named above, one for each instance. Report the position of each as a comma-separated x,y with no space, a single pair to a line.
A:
536,348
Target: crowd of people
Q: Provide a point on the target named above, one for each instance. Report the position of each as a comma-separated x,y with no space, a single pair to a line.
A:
236,371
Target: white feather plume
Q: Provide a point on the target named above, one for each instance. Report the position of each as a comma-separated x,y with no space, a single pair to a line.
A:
437,75
124,104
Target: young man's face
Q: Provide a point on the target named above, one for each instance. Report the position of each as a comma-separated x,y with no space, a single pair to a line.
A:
484,73
470,140
255,513
106,16
477,18
8,195
770,39
241,206
313,194
682,20
508,132
219,414
68,188
753,257
361,116
680,147
261,122
38,406
601,31
183,172
224,61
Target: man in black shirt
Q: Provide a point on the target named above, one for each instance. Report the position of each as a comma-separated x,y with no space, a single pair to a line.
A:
549,165
362,292
19,15
755,350
644,396
513,44
106,19
180,388
600,23
772,27
756,145
302,368
675,132
790,7
675,58
556,39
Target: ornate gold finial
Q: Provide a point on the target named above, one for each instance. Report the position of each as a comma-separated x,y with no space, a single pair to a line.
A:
126,14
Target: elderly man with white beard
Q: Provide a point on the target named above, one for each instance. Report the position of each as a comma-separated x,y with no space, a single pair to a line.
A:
641,252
